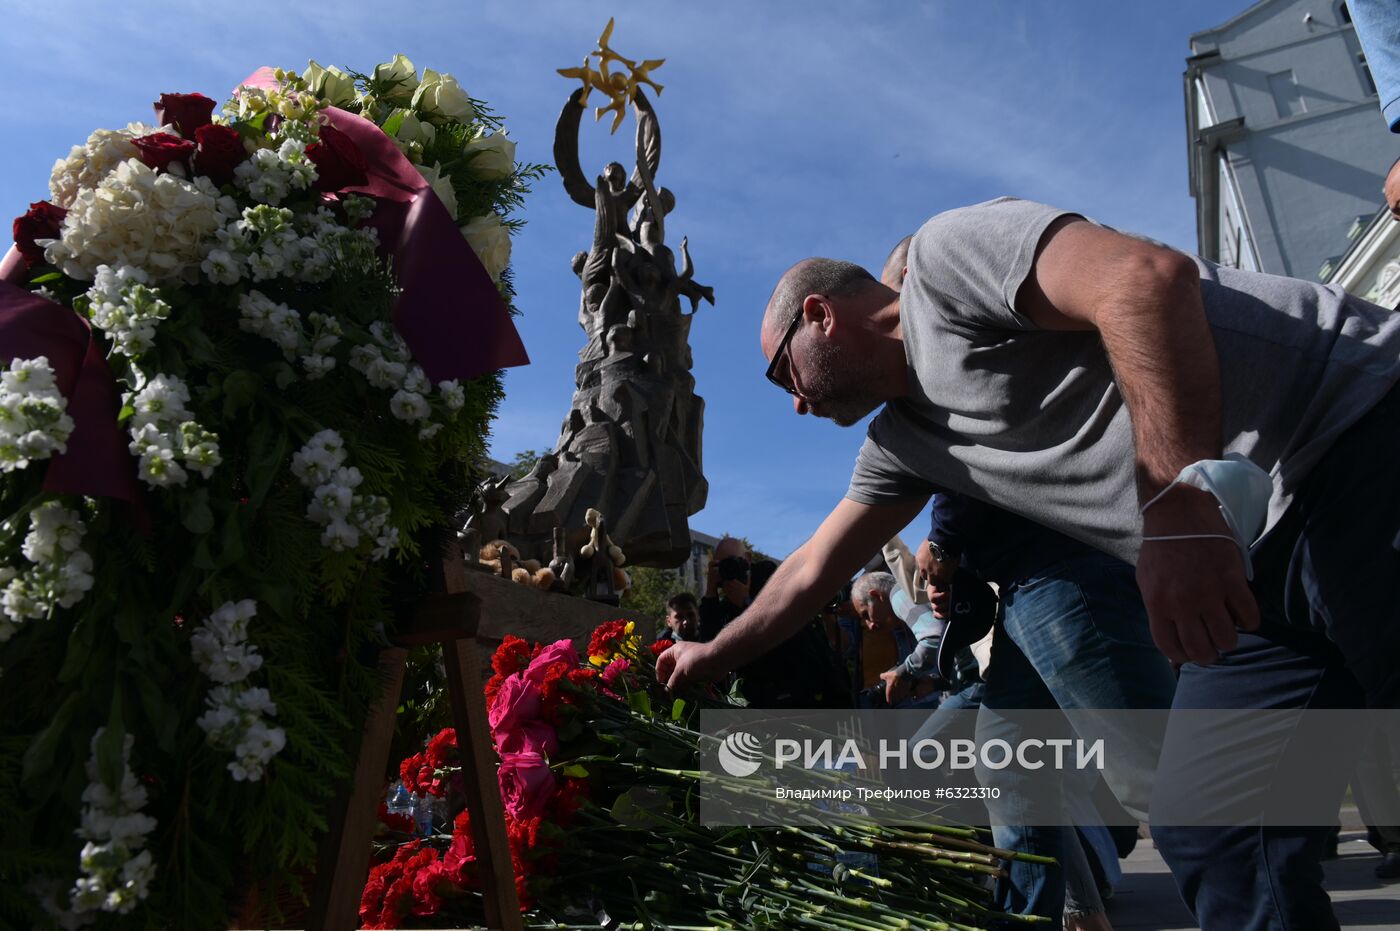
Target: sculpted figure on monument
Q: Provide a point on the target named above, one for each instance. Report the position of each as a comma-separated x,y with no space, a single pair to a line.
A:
630,446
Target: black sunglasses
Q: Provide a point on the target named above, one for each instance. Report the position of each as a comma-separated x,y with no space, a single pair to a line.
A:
772,373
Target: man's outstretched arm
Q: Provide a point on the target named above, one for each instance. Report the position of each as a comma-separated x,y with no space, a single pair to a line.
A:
1145,301
842,544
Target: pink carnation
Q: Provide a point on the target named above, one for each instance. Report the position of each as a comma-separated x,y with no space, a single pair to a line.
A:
614,671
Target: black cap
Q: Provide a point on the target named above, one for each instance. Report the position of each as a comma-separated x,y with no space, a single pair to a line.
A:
972,610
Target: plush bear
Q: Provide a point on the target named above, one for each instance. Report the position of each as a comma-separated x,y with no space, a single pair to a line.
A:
526,572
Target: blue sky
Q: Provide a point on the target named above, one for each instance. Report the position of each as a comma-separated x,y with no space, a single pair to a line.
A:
789,129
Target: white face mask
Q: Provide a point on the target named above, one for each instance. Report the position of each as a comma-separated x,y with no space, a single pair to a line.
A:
1240,487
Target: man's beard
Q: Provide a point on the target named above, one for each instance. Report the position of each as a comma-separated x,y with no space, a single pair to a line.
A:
838,386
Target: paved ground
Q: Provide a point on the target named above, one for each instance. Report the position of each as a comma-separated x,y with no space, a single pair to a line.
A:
1147,899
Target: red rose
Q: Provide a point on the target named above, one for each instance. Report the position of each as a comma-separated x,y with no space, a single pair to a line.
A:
43,221
187,112
220,152
339,162
158,150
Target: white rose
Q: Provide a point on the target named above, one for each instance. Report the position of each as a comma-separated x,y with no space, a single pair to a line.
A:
330,83
441,96
491,156
490,240
442,187
402,74
414,130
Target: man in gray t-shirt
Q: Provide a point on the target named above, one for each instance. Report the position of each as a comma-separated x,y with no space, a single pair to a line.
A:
1068,373
1065,372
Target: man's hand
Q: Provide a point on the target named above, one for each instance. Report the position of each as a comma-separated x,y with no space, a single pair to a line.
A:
937,579
898,686
1194,590
686,664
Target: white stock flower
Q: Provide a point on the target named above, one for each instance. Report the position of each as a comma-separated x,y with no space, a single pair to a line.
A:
409,405
492,156
122,305
339,536
262,316
490,240
135,216
453,396
34,423
116,870
161,402
59,571
316,461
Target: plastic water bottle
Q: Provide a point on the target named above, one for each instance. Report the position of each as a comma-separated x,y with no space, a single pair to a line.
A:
400,801
423,814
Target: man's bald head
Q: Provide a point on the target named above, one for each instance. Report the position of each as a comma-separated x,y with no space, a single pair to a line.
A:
830,277
892,275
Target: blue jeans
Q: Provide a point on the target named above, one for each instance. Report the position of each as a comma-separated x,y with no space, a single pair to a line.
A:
1327,580
1074,637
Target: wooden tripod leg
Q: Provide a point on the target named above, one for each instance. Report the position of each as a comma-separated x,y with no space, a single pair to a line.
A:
345,852
464,685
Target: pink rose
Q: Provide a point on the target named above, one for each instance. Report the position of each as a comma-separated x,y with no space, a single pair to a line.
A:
536,737
527,785
517,701
558,651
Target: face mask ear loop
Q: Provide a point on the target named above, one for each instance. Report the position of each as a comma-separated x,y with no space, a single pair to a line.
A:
1195,476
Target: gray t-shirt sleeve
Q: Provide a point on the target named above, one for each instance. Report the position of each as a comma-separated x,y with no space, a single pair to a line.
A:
878,478
972,261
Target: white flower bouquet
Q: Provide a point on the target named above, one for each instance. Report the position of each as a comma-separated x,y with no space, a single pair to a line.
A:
248,362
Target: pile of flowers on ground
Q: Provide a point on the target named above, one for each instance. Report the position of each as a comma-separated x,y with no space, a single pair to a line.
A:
598,775
243,387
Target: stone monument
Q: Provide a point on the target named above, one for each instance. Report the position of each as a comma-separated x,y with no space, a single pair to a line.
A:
630,445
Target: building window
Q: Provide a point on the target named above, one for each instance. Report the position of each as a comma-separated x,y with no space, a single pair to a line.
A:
1287,99
1367,81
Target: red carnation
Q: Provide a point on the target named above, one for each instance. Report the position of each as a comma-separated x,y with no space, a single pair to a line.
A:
158,150
660,646
507,658
606,638
410,769
220,152
339,162
493,686
43,221
442,749
187,112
